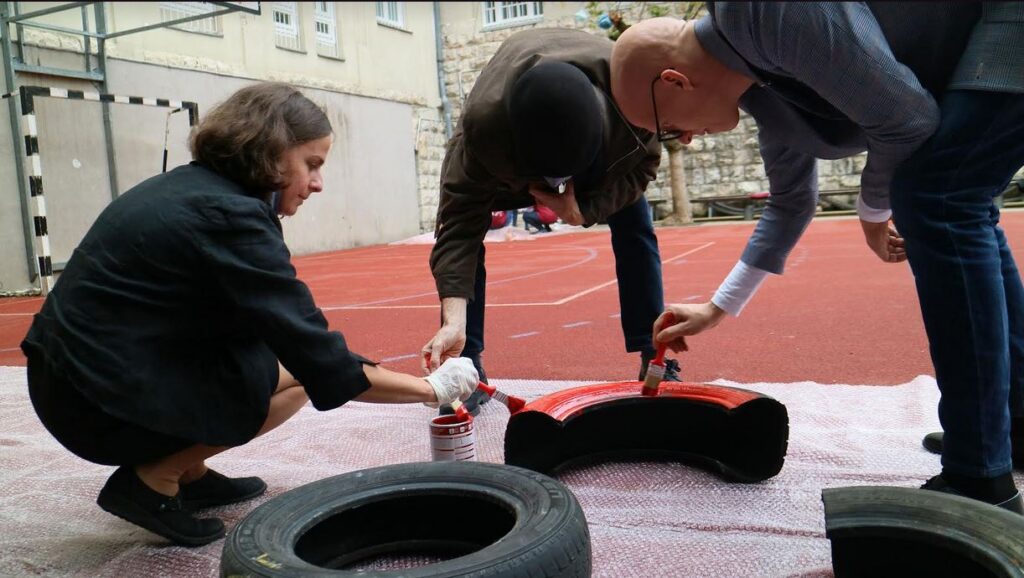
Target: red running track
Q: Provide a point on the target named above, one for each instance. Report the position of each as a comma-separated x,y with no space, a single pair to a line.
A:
838,315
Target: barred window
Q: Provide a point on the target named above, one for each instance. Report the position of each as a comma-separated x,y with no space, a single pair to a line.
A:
286,25
391,14
174,10
326,29
502,14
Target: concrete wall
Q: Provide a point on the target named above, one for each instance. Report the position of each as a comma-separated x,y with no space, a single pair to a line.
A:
370,190
13,263
370,193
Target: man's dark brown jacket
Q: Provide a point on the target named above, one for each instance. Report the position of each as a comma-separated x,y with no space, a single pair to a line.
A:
479,173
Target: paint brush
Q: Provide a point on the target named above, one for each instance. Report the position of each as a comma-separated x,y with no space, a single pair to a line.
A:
656,367
461,412
512,402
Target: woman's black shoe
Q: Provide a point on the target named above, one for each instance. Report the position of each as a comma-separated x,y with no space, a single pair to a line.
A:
127,497
215,489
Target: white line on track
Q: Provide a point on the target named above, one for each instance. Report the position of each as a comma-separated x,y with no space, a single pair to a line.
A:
603,285
375,305
399,357
576,324
521,335
591,254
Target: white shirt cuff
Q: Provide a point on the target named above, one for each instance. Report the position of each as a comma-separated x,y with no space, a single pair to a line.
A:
871,214
738,288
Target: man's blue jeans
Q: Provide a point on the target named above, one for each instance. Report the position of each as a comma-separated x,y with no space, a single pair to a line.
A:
969,288
637,268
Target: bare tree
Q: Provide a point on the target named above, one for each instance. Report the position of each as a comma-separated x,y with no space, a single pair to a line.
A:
682,213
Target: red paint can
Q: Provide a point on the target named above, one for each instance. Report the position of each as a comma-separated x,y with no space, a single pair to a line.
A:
452,439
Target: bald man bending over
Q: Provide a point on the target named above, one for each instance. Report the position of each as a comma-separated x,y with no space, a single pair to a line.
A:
937,103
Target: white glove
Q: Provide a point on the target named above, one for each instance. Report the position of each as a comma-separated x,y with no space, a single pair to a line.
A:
455,379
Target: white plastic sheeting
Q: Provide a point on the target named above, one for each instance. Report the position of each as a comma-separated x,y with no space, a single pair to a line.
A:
646,519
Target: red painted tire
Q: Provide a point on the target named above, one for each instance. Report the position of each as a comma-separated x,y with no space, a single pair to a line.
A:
739,434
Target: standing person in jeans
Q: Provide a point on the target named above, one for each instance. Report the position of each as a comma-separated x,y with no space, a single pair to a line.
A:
512,217
178,329
540,126
539,217
970,288
828,80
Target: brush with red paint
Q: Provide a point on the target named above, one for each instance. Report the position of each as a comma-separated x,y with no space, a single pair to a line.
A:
656,367
461,412
512,402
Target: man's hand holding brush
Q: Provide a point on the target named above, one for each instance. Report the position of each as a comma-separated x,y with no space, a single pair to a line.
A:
686,319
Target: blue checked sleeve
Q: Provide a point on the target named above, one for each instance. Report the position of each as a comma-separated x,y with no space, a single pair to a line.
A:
839,52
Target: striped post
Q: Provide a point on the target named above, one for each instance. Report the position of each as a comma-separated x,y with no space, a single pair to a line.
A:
44,263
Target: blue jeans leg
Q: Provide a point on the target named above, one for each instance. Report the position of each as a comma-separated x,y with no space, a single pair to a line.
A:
638,270
475,316
532,219
967,282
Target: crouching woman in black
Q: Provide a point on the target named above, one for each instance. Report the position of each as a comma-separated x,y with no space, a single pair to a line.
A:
178,328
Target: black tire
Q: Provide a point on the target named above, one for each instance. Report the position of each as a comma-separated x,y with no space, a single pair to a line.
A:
478,519
882,532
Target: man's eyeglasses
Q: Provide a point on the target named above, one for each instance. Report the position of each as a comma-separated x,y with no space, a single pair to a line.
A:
663,135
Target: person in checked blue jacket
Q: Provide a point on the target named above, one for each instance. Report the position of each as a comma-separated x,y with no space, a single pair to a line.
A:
934,92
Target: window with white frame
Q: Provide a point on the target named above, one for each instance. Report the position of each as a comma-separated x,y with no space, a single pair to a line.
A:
391,14
502,14
175,10
326,29
286,25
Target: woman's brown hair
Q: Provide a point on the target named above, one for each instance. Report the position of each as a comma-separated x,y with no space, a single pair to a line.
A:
244,136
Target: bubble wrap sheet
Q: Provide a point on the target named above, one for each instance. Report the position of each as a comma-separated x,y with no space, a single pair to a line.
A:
646,519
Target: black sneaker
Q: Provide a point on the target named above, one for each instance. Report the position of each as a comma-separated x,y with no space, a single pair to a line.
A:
215,489
672,368
933,443
127,497
1008,500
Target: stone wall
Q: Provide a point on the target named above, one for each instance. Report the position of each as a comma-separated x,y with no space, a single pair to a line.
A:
730,163
716,165
430,140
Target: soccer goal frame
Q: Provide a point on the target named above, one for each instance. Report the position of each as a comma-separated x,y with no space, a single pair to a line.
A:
30,129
